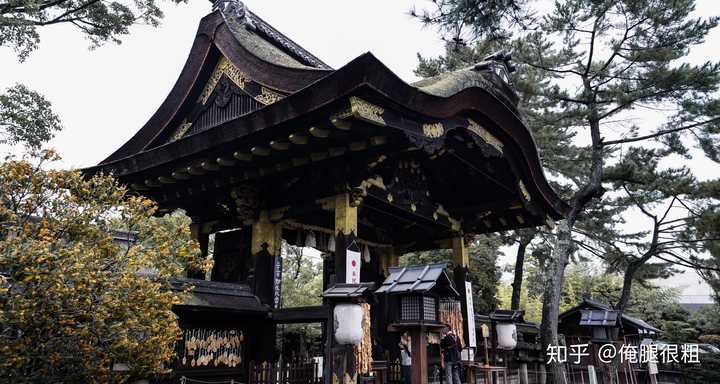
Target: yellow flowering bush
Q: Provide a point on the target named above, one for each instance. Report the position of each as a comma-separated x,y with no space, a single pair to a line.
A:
75,301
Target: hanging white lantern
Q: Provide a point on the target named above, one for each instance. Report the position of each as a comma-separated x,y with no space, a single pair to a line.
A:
310,240
366,253
507,335
348,323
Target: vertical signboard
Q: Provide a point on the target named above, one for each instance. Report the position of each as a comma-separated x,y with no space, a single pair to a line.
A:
472,342
352,264
277,281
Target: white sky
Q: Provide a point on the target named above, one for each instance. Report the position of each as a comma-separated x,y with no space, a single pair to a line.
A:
104,96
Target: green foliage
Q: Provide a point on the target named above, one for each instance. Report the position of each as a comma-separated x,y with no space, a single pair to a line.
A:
483,271
586,66
708,371
584,280
73,301
26,118
301,278
98,21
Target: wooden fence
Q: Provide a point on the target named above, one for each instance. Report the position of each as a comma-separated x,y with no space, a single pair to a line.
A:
293,372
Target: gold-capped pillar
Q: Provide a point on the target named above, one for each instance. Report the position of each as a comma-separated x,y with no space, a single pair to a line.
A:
265,248
343,367
345,235
461,261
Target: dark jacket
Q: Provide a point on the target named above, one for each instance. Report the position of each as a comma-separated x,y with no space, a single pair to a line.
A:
451,350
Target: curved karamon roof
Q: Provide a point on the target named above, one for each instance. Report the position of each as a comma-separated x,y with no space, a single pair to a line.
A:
302,84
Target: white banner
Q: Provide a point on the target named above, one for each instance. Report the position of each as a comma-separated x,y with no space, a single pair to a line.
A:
352,267
472,342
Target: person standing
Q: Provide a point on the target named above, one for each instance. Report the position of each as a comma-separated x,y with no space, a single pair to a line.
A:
451,356
405,358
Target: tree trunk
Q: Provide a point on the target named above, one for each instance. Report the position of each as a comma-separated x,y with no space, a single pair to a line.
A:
517,280
627,286
551,298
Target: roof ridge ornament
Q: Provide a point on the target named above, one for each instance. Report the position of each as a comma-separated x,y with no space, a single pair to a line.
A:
237,15
241,16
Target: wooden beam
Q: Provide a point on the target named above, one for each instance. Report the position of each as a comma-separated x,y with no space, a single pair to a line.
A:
378,140
152,183
314,314
298,139
260,151
318,156
166,180
195,170
279,145
336,151
181,174
358,146
242,156
226,161
209,165
319,132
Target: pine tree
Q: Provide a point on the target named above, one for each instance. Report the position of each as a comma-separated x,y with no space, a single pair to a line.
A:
598,62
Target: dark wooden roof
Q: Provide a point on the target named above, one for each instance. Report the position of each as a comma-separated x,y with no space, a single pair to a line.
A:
344,290
594,313
418,279
246,87
261,52
217,296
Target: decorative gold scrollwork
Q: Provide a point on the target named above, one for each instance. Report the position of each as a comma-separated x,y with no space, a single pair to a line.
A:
524,191
366,111
485,135
224,67
181,130
267,96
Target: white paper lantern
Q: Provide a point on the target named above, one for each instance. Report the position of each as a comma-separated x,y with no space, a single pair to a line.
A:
348,323
507,335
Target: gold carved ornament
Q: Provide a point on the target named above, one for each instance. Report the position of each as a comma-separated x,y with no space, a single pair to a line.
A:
366,111
433,130
523,190
224,67
485,135
181,130
267,96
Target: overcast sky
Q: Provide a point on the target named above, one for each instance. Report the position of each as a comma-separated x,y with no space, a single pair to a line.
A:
104,96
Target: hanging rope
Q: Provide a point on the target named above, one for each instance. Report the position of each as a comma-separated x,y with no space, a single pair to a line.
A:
187,380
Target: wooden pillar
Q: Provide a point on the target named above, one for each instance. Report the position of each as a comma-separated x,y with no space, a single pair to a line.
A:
203,240
387,258
345,234
265,246
524,379
342,358
461,261
419,355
